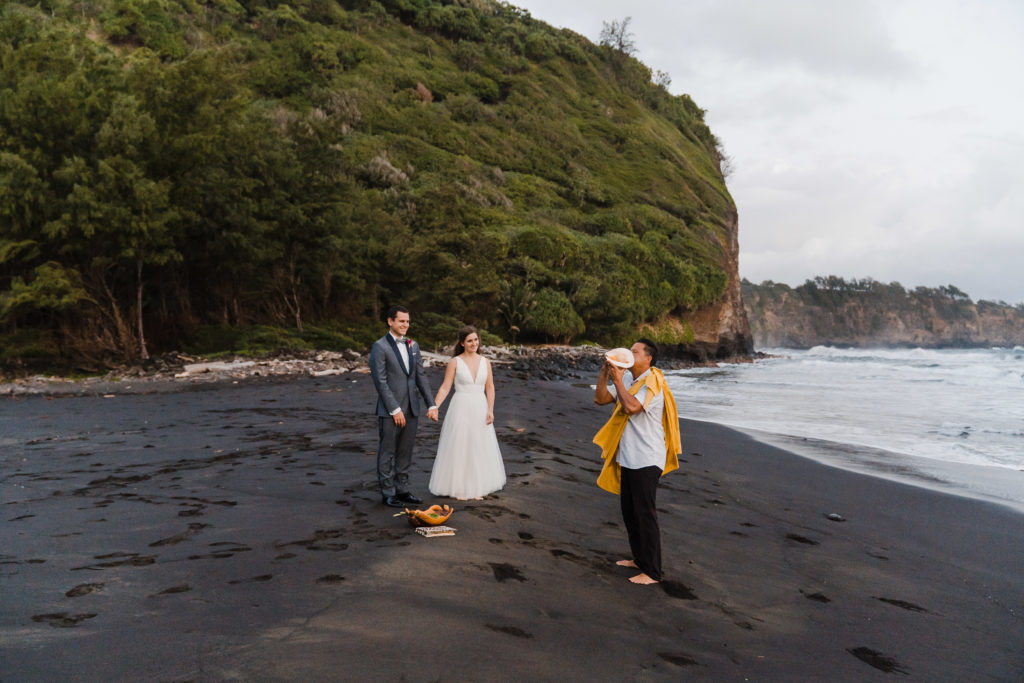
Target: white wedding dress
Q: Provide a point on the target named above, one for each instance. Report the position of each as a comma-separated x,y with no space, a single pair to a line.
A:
468,462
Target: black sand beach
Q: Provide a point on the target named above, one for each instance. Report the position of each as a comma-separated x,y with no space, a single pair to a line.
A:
234,532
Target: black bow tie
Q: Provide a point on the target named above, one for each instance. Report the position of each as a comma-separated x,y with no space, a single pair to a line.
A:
401,339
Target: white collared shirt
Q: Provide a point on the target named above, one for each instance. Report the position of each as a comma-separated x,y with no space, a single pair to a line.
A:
403,350
403,354
643,440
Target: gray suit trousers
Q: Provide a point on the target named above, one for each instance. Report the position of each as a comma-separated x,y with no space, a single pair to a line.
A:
394,454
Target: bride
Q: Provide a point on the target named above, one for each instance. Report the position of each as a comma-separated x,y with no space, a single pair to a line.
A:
468,463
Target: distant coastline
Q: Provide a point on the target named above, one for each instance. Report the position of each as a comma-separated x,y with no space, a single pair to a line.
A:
866,313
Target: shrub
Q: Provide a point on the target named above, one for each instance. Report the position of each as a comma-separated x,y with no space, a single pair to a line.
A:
554,317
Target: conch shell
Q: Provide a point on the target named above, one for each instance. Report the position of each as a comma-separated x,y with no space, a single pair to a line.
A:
620,357
432,516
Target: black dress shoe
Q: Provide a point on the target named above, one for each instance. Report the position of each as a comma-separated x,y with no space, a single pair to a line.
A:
409,498
394,502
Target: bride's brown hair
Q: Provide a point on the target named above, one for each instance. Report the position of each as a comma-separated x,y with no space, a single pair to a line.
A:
463,333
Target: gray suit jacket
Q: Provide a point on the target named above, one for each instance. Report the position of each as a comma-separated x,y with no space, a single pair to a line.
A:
397,388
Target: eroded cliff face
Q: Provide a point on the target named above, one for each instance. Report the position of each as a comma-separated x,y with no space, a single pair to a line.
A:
785,320
721,329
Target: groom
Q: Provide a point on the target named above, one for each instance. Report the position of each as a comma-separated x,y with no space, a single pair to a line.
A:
397,370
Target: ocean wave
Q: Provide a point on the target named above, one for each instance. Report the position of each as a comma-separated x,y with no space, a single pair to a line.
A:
943,405
953,430
972,367
1016,433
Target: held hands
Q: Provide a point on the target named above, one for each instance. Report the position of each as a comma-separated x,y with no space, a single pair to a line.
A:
399,417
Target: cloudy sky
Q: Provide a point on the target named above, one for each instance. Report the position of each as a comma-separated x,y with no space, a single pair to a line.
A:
879,139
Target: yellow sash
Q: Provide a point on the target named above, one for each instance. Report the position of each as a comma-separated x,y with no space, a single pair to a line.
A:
608,437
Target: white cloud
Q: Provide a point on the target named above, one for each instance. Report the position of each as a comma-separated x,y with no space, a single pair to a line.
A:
870,138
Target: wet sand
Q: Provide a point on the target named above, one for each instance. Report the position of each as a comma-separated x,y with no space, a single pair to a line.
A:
234,532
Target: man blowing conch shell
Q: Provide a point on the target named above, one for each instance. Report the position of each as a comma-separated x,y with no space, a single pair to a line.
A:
639,443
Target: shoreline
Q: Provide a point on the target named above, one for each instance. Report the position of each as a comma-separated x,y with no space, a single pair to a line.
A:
988,483
237,532
944,422
179,372
548,363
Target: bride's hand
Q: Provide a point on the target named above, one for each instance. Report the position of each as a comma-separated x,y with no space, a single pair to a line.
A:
490,418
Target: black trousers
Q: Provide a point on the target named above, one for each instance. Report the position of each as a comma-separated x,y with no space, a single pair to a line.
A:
639,512
394,454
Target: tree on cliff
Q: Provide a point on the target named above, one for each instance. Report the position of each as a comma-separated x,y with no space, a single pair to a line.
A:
616,34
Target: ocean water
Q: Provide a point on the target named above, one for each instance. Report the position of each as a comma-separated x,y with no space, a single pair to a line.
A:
947,419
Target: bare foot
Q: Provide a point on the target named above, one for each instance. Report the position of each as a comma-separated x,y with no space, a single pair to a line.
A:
462,499
478,498
627,563
643,580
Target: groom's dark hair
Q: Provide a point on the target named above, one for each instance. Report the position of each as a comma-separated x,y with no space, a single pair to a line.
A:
394,311
651,348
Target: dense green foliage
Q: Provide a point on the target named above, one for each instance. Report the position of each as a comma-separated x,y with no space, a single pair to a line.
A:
171,169
834,292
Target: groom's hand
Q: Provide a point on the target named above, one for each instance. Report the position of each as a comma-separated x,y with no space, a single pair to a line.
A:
399,418
432,413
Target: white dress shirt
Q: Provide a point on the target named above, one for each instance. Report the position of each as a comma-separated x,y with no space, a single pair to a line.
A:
403,350
403,354
643,440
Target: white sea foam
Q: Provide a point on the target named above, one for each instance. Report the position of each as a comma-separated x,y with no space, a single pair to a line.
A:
943,408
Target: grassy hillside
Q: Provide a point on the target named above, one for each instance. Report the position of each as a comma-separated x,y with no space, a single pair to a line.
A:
177,173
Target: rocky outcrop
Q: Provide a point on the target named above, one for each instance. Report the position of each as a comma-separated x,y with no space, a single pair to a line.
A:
802,318
721,329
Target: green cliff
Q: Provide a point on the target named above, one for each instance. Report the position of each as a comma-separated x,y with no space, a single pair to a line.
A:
209,175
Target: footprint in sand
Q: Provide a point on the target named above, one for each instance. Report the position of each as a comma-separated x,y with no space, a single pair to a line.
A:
504,572
62,619
801,539
510,630
255,579
222,554
130,560
903,604
330,579
84,589
816,597
193,529
677,590
678,660
878,660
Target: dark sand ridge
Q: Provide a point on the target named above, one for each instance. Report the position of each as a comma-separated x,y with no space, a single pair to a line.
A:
235,532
